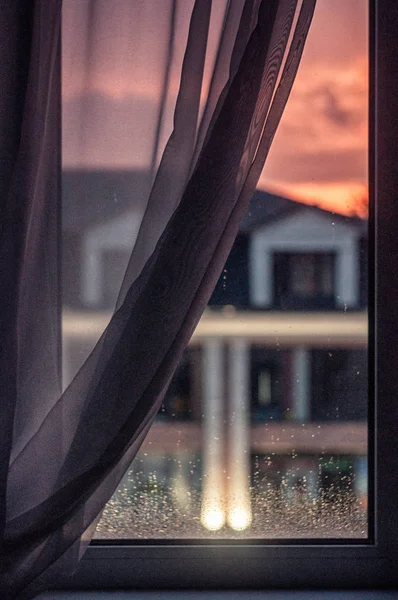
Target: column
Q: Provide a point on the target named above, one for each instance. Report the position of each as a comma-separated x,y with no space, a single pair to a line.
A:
239,507
213,500
301,384
261,279
347,275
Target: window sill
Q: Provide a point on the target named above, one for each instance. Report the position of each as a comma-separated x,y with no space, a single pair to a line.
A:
222,595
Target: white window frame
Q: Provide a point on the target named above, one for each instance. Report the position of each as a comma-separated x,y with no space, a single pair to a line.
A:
309,565
271,239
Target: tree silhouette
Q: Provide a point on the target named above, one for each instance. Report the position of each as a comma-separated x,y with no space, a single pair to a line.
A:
360,204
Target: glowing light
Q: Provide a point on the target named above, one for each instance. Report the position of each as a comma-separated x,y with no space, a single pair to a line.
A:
213,516
239,518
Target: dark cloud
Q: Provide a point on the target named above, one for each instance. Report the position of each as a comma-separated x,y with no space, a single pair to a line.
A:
334,110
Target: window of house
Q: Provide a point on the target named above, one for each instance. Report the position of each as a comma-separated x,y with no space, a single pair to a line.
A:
305,510
304,279
266,377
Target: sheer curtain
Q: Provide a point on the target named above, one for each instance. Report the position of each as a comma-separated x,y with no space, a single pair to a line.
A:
196,91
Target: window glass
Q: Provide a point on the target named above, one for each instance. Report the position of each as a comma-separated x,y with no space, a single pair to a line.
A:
304,280
263,432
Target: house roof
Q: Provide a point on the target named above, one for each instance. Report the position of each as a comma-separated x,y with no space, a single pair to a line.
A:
265,208
111,193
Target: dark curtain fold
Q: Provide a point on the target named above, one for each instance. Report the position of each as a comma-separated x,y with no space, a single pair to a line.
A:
30,331
62,455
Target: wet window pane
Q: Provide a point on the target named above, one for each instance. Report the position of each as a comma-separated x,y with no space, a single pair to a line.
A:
263,432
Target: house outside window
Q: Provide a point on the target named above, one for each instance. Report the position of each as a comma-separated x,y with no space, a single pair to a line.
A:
305,250
335,565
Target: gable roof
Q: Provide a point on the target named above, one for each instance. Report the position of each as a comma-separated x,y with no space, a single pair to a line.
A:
265,208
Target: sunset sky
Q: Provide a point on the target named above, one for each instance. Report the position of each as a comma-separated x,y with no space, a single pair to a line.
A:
320,150
319,154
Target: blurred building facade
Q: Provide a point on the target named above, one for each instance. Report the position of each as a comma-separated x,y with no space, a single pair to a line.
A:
273,388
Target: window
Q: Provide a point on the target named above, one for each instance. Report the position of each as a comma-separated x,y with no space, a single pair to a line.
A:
265,397
304,280
328,566
306,257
